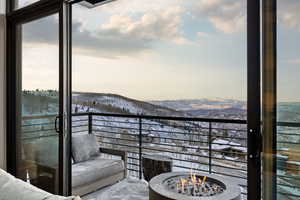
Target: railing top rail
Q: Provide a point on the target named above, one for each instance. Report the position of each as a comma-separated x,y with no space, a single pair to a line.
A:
289,124
196,119
213,120
38,117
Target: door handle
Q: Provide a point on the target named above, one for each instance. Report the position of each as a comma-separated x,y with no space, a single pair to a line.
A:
55,124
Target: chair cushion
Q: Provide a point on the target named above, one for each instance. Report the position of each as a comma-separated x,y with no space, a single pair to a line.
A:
84,147
95,169
12,188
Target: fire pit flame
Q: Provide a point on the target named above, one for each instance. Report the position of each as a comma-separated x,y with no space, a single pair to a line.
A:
192,186
192,183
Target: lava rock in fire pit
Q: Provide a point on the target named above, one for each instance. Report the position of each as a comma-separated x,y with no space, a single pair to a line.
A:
186,186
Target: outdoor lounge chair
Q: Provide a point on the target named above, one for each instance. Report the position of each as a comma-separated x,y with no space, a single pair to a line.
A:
90,171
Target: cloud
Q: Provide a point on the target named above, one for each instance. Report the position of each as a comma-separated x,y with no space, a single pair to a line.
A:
151,26
202,35
294,61
122,35
123,7
288,14
106,43
228,16
45,30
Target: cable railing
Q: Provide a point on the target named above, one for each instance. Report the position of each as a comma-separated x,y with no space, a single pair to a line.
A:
217,146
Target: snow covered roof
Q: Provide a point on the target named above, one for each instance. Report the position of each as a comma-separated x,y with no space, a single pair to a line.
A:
220,144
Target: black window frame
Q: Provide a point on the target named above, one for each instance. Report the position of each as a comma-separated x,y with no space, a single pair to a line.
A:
37,10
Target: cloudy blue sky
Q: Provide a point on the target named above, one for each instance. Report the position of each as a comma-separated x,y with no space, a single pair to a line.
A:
170,49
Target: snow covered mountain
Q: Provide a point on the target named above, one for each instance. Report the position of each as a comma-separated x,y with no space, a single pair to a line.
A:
194,104
46,101
114,103
208,108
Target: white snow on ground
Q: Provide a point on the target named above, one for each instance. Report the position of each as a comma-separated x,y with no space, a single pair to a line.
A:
103,124
157,129
221,144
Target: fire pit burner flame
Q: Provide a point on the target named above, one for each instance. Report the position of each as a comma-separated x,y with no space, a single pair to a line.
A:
193,185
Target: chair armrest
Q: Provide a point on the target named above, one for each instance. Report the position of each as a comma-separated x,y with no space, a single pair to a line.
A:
122,154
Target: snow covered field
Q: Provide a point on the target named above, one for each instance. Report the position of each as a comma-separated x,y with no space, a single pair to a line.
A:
191,144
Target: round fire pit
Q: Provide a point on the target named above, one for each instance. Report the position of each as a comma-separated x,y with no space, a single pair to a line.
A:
187,186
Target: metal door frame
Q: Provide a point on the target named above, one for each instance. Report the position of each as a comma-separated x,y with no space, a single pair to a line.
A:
29,13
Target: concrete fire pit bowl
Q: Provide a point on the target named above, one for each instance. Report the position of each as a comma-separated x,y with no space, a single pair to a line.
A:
166,187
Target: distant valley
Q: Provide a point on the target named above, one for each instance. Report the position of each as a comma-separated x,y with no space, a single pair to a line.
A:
35,102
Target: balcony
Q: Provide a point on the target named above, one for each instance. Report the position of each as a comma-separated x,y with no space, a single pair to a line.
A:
217,146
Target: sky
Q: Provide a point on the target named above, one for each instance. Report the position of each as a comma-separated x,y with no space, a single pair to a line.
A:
161,50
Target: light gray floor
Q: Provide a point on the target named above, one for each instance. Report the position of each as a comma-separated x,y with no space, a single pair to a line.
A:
127,189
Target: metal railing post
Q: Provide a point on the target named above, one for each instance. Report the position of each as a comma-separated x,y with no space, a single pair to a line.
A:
209,148
140,147
90,123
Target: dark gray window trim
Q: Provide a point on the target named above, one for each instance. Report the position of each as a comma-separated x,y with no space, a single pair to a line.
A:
29,13
10,5
254,139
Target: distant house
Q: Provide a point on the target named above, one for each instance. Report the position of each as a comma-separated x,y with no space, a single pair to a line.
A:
150,138
228,148
291,164
293,167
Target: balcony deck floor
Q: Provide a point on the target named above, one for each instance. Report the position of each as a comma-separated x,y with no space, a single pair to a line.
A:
127,189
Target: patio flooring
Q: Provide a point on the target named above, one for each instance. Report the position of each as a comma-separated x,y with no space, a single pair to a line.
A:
127,189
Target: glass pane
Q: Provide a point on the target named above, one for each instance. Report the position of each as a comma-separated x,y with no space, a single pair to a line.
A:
288,133
23,3
163,51
164,58
37,140
2,86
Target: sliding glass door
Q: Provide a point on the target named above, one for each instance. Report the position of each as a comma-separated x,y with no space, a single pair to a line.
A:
38,96
38,99
288,100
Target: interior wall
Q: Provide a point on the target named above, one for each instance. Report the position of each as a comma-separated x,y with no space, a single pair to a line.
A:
2,6
2,87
